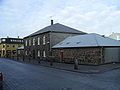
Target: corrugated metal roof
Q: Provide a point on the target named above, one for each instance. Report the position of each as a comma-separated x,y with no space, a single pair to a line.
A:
87,40
57,28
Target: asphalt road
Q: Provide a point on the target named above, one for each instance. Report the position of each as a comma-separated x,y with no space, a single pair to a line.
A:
23,76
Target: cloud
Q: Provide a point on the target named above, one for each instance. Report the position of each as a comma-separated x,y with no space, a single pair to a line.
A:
22,17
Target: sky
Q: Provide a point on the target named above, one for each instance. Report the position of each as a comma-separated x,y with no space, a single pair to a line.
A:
23,17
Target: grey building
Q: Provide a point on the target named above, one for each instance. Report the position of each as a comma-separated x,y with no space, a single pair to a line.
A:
38,45
88,49
115,36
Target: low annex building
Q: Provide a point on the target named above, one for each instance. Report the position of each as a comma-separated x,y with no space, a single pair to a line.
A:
39,44
87,49
8,46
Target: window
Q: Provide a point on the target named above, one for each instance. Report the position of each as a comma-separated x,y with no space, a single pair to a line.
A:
3,52
38,53
44,40
44,54
18,51
3,46
33,41
29,42
3,40
25,52
38,40
13,45
14,52
26,43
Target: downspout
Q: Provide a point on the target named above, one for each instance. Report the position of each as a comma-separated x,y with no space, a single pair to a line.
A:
102,55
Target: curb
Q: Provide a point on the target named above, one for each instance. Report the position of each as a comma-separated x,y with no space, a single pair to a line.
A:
78,71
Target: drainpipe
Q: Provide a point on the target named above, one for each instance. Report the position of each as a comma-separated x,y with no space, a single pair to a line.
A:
102,55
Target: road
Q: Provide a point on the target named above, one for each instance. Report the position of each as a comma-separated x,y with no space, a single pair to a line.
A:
24,76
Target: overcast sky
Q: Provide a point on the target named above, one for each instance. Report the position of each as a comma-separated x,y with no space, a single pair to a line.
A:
23,17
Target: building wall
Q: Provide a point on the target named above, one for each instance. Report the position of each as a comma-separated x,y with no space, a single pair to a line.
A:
112,55
84,55
58,37
8,50
20,54
31,50
51,38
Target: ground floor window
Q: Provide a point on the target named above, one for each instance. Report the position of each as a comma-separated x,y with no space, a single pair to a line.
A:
38,53
44,54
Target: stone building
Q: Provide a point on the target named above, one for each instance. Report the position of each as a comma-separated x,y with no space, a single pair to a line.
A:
8,46
38,45
87,49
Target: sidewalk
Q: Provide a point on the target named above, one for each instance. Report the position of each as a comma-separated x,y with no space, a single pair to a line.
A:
88,69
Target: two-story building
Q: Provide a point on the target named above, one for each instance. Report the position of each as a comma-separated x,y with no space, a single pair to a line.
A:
8,46
38,44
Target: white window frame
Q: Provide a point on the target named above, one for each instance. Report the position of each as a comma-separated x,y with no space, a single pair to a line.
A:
26,42
26,52
44,54
38,53
33,41
29,42
38,40
44,40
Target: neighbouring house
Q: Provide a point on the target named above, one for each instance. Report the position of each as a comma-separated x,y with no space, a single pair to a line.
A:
115,36
20,52
8,46
87,49
38,45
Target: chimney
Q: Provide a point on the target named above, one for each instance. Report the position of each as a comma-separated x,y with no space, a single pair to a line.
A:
51,22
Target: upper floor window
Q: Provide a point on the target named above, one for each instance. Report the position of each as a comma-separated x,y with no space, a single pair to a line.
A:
3,40
38,40
13,45
44,40
29,42
33,41
26,43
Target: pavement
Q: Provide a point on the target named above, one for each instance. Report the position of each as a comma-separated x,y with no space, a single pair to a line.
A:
88,69
26,76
